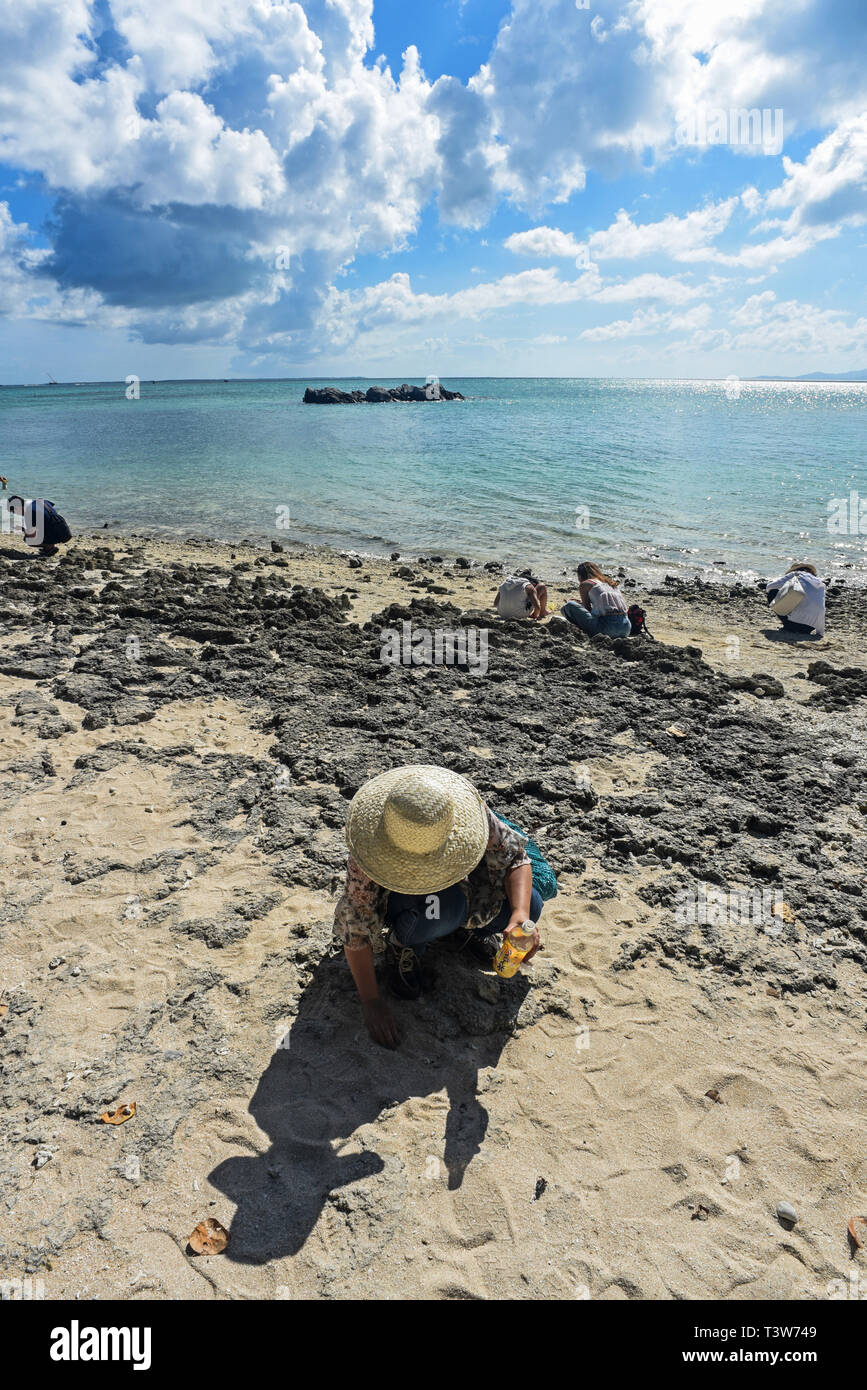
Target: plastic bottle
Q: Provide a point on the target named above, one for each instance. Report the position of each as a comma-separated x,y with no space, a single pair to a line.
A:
513,950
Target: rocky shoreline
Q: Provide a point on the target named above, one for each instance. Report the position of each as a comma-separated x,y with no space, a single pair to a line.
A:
183,730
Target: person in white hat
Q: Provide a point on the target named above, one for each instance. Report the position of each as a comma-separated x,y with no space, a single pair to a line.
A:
427,858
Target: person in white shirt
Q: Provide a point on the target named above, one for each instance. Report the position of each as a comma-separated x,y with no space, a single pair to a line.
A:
36,519
809,615
522,597
601,607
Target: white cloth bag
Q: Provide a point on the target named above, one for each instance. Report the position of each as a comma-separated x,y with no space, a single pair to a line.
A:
788,597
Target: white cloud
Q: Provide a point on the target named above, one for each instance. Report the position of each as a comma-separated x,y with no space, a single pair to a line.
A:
27,290
650,286
767,255
831,184
688,239
543,241
754,309
562,103
826,193
394,304
643,322
682,238
85,131
696,317
790,326
15,282
199,138
650,321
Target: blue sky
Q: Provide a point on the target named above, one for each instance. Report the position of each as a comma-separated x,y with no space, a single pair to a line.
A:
465,187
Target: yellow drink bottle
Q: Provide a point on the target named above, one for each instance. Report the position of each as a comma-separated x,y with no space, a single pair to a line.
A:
513,950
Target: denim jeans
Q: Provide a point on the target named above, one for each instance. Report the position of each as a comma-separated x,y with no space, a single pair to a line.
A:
407,916
609,624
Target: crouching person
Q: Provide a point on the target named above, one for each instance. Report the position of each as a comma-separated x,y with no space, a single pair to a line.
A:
600,607
798,600
522,596
39,521
427,858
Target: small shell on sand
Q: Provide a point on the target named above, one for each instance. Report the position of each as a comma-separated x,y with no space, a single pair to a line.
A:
786,1213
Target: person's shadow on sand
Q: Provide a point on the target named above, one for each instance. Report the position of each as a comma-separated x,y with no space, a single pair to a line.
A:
783,634
328,1078
32,553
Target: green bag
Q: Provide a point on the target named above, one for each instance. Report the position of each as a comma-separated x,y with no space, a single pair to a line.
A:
544,878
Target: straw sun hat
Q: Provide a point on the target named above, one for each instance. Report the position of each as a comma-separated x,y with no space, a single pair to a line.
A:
417,829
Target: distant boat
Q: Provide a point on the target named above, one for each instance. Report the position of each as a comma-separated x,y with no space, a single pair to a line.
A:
51,380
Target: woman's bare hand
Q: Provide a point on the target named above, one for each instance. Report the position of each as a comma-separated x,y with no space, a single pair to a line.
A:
380,1023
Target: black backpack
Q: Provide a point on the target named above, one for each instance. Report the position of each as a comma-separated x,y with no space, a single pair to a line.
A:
638,619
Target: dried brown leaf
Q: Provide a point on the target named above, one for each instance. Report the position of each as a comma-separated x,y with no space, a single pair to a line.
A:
120,1115
209,1237
783,910
853,1233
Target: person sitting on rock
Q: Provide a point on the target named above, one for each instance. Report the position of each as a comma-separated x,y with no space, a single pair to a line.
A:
427,858
808,613
600,607
39,521
522,596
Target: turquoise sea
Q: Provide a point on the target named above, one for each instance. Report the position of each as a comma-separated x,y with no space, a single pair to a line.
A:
701,477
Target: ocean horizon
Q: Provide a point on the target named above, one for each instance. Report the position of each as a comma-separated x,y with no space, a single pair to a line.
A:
724,479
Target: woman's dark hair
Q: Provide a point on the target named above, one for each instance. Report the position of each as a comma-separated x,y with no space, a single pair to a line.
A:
803,569
587,570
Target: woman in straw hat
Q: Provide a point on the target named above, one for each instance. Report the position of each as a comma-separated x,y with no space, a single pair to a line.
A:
426,858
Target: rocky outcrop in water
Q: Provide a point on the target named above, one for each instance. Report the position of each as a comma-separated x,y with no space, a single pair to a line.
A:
332,395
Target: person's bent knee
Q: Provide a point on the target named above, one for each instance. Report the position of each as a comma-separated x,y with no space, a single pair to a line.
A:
581,617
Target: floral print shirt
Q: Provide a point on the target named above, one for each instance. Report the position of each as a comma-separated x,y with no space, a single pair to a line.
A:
359,918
